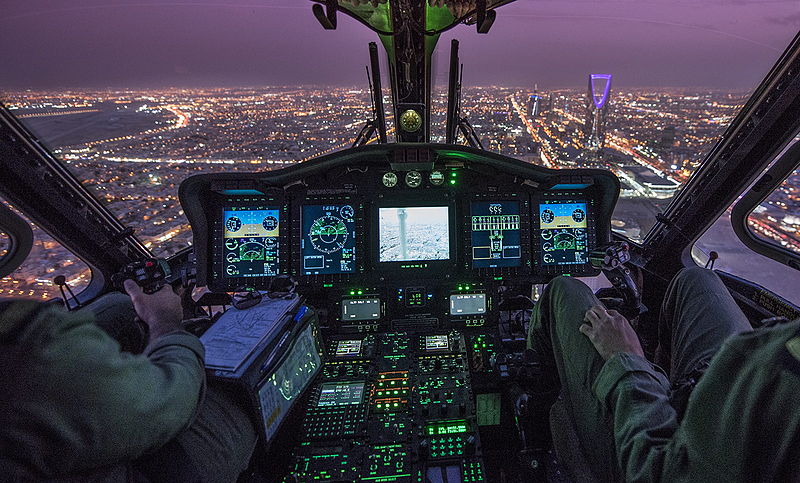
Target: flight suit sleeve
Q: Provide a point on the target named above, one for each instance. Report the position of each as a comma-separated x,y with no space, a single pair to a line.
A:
95,405
637,394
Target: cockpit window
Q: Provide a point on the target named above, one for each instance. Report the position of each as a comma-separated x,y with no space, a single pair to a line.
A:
47,260
777,219
135,97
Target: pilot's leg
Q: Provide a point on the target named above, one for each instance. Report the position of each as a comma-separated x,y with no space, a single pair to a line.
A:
554,334
221,439
697,316
216,447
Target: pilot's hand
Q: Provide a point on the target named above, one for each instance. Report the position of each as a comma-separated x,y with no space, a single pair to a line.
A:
161,311
610,332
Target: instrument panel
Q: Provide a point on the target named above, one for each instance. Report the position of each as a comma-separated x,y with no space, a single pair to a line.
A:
397,212
414,259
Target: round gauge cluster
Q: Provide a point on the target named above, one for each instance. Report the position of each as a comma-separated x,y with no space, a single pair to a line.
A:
413,179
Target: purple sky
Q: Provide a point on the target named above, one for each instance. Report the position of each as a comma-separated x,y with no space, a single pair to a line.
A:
140,43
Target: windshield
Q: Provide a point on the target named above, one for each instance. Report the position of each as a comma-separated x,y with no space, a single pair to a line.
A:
135,97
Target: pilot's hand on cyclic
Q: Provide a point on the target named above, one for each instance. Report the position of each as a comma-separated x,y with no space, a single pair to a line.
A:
610,332
161,311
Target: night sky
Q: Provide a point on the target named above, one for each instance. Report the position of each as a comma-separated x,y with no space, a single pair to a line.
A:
728,44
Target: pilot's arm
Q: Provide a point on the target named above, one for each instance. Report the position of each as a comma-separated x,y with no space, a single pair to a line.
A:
637,394
76,402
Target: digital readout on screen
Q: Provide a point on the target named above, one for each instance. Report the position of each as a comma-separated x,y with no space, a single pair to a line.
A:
437,428
251,244
415,233
495,228
563,232
328,245
437,343
361,309
468,304
341,394
348,348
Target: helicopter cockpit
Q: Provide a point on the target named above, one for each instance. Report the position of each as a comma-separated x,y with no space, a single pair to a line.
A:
372,304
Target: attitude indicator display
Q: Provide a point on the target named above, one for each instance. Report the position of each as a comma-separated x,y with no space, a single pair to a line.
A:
251,241
563,232
495,234
329,239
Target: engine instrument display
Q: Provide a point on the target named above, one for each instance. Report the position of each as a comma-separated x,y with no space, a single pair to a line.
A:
415,233
361,309
495,234
468,304
563,232
341,394
329,239
251,243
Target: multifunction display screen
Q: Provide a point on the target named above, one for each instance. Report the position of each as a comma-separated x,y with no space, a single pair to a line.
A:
348,348
415,233
495,234
361,309
251,243
468,304
329,239
563,232
341,394
437,343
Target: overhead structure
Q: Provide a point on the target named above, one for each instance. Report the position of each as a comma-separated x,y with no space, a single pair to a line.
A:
409,30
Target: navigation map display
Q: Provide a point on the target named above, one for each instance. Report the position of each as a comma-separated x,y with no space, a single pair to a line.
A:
280,390
563,232
495,234
329,239
414,233
251,247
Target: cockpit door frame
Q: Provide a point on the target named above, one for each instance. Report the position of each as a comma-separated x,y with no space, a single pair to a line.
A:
761,189
761,130
40,186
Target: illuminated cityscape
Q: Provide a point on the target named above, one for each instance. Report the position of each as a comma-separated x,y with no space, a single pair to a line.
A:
132,148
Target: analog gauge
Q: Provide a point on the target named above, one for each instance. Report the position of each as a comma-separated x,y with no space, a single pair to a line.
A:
548,258
231,244
548,216
328,234
389,180
580,233
347,212
547,246
413,179
547,234
231,257
410,120
437,178
270,223
233,223
232,270
578,215
270,241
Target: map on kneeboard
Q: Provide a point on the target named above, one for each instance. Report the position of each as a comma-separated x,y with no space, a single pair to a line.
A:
231,340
